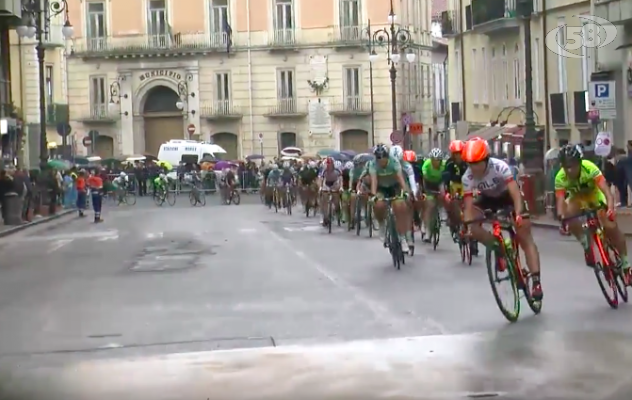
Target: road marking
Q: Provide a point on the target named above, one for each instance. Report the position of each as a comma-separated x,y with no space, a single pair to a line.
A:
248,230
379,311
155,235
304,229
58,244
104,239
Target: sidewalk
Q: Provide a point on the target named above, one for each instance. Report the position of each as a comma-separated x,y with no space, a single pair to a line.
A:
624,218
6,230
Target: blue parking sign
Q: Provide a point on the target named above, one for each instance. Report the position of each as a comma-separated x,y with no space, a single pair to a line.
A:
602,90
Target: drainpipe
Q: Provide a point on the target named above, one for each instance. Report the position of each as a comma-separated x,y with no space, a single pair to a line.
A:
545,57
462,66
252,122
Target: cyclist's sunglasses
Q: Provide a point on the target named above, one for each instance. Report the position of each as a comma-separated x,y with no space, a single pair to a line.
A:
381,156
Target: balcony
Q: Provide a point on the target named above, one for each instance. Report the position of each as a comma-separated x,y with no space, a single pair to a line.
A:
54,38
56,113
282,39
495,17
350,106
619,12
287,108
147,45
99,115
450,23
349,36
221,110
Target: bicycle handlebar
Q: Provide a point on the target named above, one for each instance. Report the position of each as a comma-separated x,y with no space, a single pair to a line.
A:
500,215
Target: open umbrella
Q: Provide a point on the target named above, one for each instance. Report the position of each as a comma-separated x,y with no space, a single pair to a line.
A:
164,164
61,165
338,156
349,153
221,165
552,154
149,158
363,157
136,157
326,153
80,160
291,151
290,158
207,159
254,157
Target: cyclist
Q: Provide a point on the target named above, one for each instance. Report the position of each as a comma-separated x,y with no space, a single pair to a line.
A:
287,179
397,153
160,183
346,190
454,169
432,175
498,190
329,181
387,181
121,184
273,179
307,179
585,185
358,188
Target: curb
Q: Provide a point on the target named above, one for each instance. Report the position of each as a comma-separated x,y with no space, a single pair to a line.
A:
18,228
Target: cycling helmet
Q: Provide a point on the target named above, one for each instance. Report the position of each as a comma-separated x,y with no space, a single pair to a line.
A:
436,153
312,164
410,156
286,164
329,161
397,152
162,176
380,151
475,138
570,153
337,165
456,146
274,167
475,151
349,165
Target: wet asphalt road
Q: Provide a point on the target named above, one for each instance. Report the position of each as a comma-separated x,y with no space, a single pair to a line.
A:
151,281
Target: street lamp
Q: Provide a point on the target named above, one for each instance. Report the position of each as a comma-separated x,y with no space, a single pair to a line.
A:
115,94
36,16
395,40
184,93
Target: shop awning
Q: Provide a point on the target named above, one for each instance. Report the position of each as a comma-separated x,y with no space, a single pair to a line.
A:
488,132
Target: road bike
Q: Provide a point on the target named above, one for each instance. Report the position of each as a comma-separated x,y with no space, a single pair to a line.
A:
434,230
331,208
287,199
197,196
392,240
502,259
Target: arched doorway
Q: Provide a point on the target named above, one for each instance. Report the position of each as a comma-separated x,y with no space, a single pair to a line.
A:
287,139
104,147
163,120
227,141
354,139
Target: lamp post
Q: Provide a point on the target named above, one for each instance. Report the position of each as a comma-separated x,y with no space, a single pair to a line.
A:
36,16
184,93
396,40
371,50
115,94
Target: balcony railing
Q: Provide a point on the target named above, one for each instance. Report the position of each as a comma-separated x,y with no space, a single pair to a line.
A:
151,44
221,109
286,107
494,16
282,38
350,105
99,113
450,23
350,35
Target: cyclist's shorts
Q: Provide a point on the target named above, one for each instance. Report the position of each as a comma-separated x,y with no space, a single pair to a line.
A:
496,204
388,191
589,200
456,189
431,187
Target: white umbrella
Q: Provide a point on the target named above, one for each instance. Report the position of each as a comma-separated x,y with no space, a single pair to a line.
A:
289,158
552,154
94,158
136,158
291,151
215,149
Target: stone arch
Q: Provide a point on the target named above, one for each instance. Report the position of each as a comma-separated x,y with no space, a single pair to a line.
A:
287,139
163,121
354,139
229,142
104,146
140,97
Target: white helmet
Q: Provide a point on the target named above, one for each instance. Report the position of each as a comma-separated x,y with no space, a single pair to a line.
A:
286,164
349,165
275,167
337,164
313,164
436,153
397,152
122,174
162,176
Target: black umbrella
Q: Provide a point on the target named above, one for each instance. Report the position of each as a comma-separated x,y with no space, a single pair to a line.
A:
255,157
207,159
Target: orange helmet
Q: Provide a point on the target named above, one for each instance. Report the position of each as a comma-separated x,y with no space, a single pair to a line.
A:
475,151
456,146
410,156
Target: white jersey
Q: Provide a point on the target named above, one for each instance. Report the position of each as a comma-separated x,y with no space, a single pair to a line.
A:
493,183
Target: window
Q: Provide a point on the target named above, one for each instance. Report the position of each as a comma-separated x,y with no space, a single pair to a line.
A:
219,21
517,75
222,86
561,60
98,97
49,85
476,77
486,72
415,80
285,90
494,81
535,70
505,75
585,76
422,81
96,25
157,23
283,22
351,88
350,20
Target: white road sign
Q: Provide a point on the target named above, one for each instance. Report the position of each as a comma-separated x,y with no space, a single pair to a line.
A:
603,98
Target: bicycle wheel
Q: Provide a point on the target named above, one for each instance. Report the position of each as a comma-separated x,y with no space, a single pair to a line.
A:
130,198
394,245
159,198
619,280
170,198
275,200
288,199
330,216
369,218
358,216
192,198
512,311
464,246
236,198
436,230
201,197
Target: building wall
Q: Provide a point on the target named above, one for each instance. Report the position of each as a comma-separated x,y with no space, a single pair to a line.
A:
252,64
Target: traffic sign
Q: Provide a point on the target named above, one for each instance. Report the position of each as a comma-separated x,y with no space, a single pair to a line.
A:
397,137
416,128
191,129
603,97
407,119
87,141
64,129
260,135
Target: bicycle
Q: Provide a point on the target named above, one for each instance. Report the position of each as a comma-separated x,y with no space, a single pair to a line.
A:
330,211
435,224
506,258
309,203
197,196
611,271
461,236
288,199
275,199
391,240
160,195
123,196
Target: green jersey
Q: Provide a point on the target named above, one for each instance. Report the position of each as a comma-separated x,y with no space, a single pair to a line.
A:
387,176
432,174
